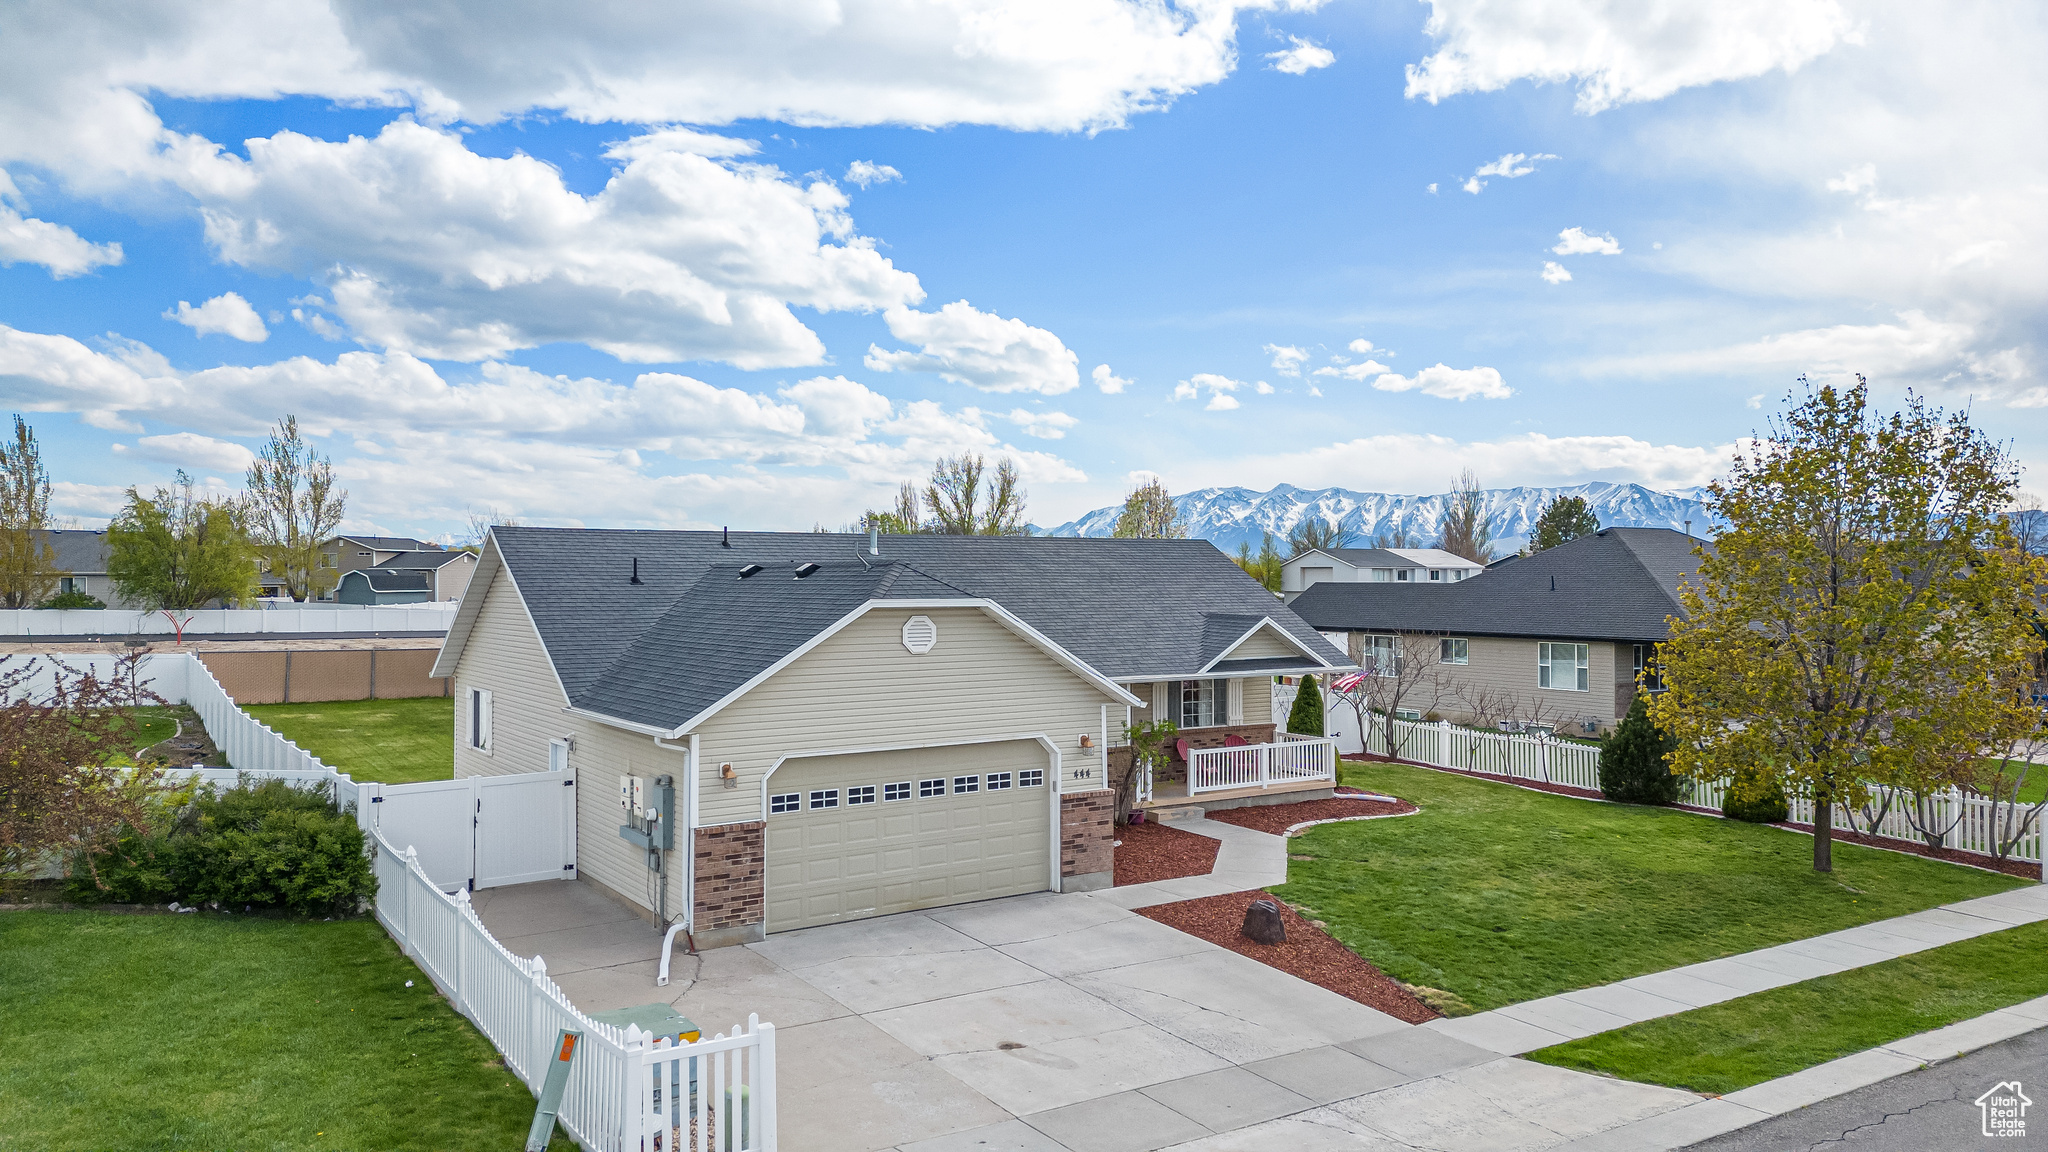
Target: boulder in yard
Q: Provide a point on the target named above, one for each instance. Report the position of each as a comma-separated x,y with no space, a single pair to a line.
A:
1263,924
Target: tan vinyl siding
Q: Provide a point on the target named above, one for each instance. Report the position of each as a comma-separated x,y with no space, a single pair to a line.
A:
505,657
1258,700
1262,643
1509,665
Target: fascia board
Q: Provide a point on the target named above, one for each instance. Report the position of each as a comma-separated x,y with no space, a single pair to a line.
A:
1267,622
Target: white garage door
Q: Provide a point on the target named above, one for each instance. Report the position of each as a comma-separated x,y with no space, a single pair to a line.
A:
882,832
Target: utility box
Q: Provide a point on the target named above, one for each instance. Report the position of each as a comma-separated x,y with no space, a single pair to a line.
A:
649,805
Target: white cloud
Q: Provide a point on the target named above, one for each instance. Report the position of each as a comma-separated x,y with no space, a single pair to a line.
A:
1359,371
1314,391
863,173
1360,346
642,452
27,240
1449,383
1756,401
1392,462
1044,425
980,349
189,449
657,141
1432,189
1263,388
1108,381
1616,51
1511,166
1218,387
1303,58
1861,178
1287,359
1575,242
1555,273
227,314
429,248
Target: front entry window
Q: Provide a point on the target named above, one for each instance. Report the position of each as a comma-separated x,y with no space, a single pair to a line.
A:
1197,703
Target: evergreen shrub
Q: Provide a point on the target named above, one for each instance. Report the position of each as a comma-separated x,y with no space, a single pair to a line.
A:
1306,717
1634,768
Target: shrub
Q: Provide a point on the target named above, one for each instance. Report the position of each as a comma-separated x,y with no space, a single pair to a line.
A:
1306,718
1755,796
1634,768
263,845
73,599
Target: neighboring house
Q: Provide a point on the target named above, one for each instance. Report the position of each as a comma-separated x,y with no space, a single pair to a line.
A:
344,554
851,732
1374,566
82,555
410,578
1558,637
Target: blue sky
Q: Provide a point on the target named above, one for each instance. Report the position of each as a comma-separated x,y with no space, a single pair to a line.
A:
592,270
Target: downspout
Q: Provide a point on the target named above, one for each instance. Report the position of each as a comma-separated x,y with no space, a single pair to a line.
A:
689,829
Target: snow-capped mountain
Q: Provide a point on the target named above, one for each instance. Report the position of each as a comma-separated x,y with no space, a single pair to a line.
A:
1233,516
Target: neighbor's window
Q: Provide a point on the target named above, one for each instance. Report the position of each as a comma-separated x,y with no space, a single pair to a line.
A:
1197,703
1403,574
1646,668
1561,666
480,719
1454,651
1381,656
1382,575
1436,574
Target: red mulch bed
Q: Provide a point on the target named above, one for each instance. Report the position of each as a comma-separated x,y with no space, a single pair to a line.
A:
1151,852
1278,818
1309,952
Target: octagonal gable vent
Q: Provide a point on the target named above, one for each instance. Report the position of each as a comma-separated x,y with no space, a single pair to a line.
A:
920,635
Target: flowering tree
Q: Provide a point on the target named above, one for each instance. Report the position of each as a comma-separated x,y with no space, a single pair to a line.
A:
58,729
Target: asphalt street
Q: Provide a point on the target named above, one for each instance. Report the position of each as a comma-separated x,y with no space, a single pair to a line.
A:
1931,1110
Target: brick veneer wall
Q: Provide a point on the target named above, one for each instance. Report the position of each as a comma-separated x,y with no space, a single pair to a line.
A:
1085,833
731,876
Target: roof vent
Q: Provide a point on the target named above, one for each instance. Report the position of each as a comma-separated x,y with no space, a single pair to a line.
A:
805,569
636,572
1553,583
919,635
725,537
749,570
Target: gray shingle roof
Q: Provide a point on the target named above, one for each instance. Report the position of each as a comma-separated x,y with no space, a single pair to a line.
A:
1370,558
735,628
1128,608
427,560
79,551
1619,584
392,579
390,543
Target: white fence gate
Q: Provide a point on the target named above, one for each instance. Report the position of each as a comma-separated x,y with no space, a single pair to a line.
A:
483,831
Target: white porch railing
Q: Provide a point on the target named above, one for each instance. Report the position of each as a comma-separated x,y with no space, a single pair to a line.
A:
716,1095
1295,759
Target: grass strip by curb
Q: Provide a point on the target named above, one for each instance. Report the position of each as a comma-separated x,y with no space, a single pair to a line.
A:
390,741
1735,1044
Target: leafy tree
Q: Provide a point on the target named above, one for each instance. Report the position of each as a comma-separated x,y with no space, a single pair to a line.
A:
28,564
1864,615
1564,518
293,505
1317,533
1306,717
956,498
903,519
1464,530
1149,513
1265,567
1634,766
1151,743
177,551
57,728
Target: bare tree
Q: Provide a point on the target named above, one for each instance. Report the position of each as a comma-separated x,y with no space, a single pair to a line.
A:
1465,530
2029,524
956,497
1316,533
292,506
57,724
480,524
1149,513
1393,669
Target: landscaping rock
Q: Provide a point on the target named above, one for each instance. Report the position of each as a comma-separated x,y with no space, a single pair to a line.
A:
1262,923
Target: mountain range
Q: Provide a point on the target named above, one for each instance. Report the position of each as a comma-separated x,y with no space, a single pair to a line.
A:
1229,517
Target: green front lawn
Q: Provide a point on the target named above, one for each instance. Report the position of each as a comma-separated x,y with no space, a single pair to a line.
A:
198,1031
153,726
391,741
1770,1034
1500,894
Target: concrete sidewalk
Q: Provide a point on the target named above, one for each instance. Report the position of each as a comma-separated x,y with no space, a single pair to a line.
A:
1535,1024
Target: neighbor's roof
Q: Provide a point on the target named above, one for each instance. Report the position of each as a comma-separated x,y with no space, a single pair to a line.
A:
1128,609
428,560
1617,584
1398,557
391,543
79,551
389,579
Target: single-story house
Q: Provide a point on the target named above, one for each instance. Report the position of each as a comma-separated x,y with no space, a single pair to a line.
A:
1432,566
1560,637
409,578
82,556
854,726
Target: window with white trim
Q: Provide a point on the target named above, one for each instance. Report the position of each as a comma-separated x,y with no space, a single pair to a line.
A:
1031,778
865,794
480,719
997,781
785,802
893,792
1197,704
966,784
825,798
1454,650
1381,656
931,788
1647,674
1562,667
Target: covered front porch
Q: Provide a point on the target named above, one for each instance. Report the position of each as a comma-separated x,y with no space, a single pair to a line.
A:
1229,767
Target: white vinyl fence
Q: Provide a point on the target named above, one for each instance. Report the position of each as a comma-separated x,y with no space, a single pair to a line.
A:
1519,756
1292,760
53,622
626,1093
